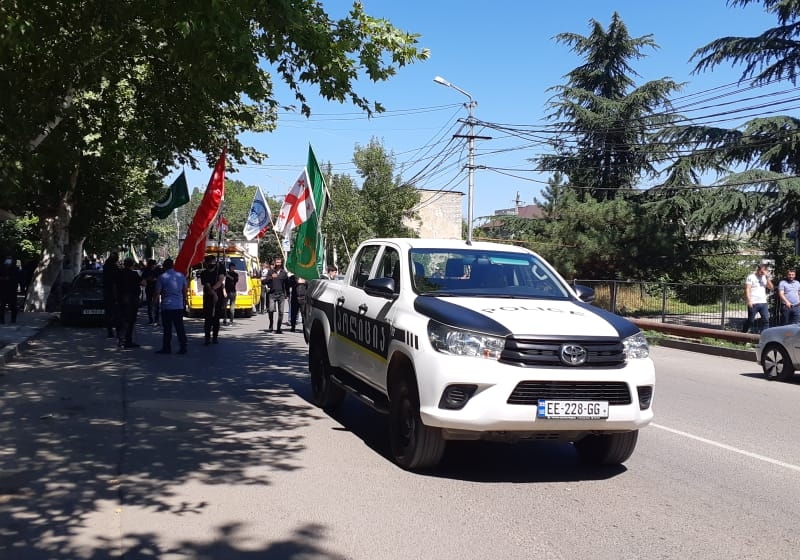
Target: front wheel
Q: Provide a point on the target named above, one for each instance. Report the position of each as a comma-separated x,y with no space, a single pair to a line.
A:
607,449
776,363
324,392
413,444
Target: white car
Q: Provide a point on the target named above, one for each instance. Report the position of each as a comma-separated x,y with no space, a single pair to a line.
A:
778,352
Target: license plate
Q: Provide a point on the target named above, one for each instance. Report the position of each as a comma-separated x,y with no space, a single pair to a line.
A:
572,409
92,311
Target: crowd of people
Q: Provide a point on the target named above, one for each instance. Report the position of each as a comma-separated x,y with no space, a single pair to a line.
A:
129,285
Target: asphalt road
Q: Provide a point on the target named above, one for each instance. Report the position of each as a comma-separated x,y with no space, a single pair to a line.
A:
219,454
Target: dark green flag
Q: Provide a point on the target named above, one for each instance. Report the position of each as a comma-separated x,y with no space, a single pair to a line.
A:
178,195
307,253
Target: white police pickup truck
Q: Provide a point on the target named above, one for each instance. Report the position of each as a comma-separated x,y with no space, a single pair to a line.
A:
458,341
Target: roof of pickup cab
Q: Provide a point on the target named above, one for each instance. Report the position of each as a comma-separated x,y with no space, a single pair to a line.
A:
431,243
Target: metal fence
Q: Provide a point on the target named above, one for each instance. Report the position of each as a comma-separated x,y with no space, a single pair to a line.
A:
696,305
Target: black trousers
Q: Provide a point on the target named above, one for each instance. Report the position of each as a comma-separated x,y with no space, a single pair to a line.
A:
170,318
212,315
127,321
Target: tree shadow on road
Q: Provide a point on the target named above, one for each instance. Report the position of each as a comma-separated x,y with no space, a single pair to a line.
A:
86,426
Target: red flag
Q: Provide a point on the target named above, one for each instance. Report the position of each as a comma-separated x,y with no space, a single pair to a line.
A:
222,224
194,246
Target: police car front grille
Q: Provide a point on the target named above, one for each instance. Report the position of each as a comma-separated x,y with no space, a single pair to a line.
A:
544,352
529,392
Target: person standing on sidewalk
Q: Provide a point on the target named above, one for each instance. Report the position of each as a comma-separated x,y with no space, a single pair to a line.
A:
297,299
278,290
213,280
9,279
110,297
789,292
231,279
172,290
266,274
755,292
150,274
129,289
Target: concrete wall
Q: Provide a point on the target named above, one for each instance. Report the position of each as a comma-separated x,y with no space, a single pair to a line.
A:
440,215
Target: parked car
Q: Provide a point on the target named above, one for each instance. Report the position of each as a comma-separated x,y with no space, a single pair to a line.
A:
778,351
83,302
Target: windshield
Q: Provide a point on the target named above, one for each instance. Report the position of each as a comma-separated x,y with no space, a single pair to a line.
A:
86,281
471,272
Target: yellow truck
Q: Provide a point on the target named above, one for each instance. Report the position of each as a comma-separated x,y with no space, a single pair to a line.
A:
248,289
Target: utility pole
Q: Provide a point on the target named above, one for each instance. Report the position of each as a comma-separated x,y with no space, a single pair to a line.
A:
471,160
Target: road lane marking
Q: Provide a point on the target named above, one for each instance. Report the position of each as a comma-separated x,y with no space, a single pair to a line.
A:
730,448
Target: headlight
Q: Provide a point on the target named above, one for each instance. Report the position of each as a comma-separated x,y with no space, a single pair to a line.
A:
636,346
457,342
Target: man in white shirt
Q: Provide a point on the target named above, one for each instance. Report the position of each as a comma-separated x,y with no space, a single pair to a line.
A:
755,292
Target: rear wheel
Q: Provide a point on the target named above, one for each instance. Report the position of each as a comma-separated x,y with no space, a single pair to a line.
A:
776,363
325,394
607,449
413,444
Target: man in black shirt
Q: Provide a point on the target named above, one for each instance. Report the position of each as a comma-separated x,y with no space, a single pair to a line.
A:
278,289
231,279
129,290
110,299
149,275
213,280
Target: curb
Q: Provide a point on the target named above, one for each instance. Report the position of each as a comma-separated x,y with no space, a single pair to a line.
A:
748,355
13,349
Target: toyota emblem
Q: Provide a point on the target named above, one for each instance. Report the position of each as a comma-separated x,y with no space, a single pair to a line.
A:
573,355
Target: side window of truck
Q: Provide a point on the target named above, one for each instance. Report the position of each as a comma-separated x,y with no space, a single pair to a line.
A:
363,265
390,267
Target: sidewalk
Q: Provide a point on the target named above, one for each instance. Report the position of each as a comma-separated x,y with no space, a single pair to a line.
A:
14,337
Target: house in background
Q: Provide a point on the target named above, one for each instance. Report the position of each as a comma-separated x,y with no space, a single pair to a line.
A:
439,214
530,211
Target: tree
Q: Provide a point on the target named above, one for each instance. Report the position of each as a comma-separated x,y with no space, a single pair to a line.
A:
760,160
386,199
134,88
607,120
344,226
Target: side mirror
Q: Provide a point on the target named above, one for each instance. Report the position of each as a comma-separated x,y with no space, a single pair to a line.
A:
585,293
380,287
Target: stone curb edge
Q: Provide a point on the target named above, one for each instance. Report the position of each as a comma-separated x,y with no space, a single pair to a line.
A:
748,355
12,350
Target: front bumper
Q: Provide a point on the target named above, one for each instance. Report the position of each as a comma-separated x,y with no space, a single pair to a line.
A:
488,410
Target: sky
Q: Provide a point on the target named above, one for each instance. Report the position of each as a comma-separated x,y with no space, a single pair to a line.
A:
502,53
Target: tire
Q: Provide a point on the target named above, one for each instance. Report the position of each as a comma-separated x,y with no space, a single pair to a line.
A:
776,363
607,449
413,444
324,393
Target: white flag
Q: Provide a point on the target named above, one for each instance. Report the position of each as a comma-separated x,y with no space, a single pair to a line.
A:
259,219
297,206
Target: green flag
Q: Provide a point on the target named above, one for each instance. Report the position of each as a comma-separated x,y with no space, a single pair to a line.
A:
178,195
306,255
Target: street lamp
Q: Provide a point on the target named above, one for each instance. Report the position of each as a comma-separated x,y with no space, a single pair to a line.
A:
471,165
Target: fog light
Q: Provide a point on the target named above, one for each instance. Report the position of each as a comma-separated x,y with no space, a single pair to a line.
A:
645,396
455,397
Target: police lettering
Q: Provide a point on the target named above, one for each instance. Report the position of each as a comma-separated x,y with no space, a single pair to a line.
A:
362,330
524,308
